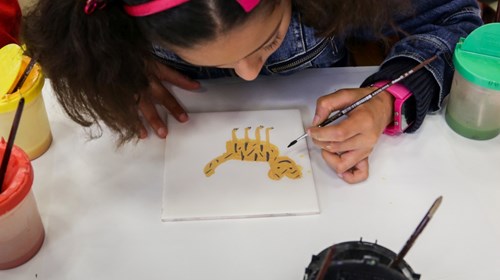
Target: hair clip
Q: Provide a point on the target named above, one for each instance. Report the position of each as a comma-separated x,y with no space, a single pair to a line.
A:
92,5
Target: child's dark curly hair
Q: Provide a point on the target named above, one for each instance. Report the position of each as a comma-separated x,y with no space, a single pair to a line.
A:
98,63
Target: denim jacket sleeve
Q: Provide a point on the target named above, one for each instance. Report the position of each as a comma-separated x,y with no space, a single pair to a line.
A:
434,28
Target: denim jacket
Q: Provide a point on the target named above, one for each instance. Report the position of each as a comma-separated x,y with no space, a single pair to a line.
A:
435,27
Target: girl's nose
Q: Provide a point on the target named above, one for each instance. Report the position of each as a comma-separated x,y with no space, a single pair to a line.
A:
249,68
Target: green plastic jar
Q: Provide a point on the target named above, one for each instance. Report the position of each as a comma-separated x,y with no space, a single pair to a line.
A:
473,109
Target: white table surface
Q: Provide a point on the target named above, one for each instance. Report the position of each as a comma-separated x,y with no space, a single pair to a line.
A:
101,206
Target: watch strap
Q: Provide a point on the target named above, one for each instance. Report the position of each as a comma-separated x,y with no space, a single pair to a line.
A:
401,94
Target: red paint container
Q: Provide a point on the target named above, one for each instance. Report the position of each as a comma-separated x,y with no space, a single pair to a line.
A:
21,228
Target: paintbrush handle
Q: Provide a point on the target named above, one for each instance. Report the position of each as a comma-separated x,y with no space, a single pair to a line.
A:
351,107
10,142
332,118
25,75
366,98
409,243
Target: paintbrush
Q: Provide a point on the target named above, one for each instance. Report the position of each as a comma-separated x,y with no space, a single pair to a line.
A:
10,142
25,75
326,264
395,262
353,106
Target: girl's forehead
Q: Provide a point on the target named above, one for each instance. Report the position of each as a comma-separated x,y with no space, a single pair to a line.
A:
239,42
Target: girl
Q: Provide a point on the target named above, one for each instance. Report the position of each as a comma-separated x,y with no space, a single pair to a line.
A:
106,58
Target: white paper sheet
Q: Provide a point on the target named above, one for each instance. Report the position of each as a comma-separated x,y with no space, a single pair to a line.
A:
237,189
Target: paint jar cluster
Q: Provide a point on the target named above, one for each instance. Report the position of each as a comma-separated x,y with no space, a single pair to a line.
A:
21,230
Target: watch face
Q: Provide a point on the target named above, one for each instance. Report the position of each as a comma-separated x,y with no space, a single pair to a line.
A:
408,113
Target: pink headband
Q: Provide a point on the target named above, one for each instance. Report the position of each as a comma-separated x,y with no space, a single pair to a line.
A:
156,6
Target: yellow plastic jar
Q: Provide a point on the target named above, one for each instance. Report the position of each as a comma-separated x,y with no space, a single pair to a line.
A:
34,135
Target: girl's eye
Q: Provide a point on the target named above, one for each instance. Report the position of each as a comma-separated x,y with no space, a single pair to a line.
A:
273,44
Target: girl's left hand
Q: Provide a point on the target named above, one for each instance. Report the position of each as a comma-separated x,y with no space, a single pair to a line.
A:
347,144
158,93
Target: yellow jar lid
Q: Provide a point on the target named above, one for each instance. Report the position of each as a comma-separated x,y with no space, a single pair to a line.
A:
11,57
30,90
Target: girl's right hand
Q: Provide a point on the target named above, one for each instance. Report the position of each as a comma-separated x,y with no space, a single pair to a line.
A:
347,144
158,94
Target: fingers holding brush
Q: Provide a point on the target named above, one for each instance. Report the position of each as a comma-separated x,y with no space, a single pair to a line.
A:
347,143
357,117
332,102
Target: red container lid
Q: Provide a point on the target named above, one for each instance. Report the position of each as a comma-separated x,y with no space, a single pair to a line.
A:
18,179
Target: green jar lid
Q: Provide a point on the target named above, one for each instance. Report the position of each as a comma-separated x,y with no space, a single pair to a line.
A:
477,57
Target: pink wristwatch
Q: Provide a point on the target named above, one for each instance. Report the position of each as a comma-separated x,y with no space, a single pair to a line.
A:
403,116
